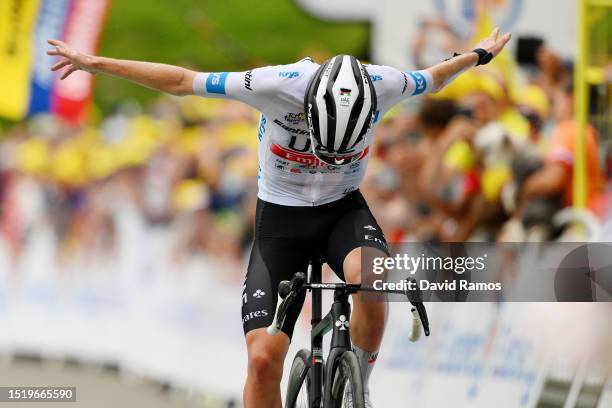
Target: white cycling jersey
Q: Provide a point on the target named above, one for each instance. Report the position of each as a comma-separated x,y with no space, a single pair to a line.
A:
289,174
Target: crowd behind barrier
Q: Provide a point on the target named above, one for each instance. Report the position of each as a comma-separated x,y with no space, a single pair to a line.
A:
486,159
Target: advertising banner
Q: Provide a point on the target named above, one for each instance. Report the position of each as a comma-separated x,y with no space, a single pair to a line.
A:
82,31
17,20
49,24
27,84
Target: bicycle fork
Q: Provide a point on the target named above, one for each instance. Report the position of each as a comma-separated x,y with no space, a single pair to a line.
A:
340,317
316,345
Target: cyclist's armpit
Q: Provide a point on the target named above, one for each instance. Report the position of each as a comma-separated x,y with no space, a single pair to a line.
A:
393,85
250,87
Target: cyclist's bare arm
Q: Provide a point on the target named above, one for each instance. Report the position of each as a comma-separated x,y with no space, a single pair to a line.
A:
443,73
166,78
179,81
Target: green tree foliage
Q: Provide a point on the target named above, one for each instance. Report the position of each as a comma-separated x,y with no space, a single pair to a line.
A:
212,35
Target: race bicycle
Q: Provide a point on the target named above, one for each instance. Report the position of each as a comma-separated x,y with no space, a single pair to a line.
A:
314,383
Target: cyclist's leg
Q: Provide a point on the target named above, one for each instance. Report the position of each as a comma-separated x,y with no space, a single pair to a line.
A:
356,230
368,318
272,260
265,368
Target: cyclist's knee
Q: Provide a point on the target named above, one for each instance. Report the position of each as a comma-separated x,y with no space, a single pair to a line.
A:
266,356
263,367
352,266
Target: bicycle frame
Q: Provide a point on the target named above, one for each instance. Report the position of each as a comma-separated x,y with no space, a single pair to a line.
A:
337,320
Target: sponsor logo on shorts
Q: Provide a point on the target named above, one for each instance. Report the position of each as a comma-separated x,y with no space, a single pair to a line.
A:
258,294
379,241
215,83
375,78
369,228
255,315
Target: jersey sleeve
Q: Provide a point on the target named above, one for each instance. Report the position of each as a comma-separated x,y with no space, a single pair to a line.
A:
392,85
254,87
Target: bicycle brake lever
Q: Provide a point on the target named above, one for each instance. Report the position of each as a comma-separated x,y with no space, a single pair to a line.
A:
420,307
280,314
298,281
284,288
287,291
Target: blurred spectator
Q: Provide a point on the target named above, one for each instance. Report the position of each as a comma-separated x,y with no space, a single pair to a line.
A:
556,178
491,157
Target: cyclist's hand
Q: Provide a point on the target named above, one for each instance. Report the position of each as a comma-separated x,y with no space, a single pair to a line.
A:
493,44
72,59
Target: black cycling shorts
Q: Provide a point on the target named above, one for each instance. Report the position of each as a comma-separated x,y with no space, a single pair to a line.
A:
285,240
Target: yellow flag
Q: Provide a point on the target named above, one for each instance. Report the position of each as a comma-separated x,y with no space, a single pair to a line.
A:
17,19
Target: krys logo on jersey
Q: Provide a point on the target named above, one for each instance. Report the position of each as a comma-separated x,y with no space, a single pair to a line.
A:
215,83
288,74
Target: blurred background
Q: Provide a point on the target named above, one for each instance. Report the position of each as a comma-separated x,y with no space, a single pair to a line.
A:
126,216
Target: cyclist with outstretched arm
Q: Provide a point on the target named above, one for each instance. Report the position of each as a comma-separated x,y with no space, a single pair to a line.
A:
316,128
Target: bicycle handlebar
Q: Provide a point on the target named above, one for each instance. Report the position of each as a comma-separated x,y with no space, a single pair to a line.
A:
288,291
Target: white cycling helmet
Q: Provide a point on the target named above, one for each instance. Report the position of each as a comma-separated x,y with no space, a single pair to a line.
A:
340,105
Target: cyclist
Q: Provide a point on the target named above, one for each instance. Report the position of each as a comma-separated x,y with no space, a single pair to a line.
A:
315,131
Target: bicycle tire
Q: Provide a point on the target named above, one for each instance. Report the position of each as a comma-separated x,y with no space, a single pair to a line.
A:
348,373
298,387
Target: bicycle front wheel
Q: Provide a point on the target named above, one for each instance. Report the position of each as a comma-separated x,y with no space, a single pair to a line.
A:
348,374
298,389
